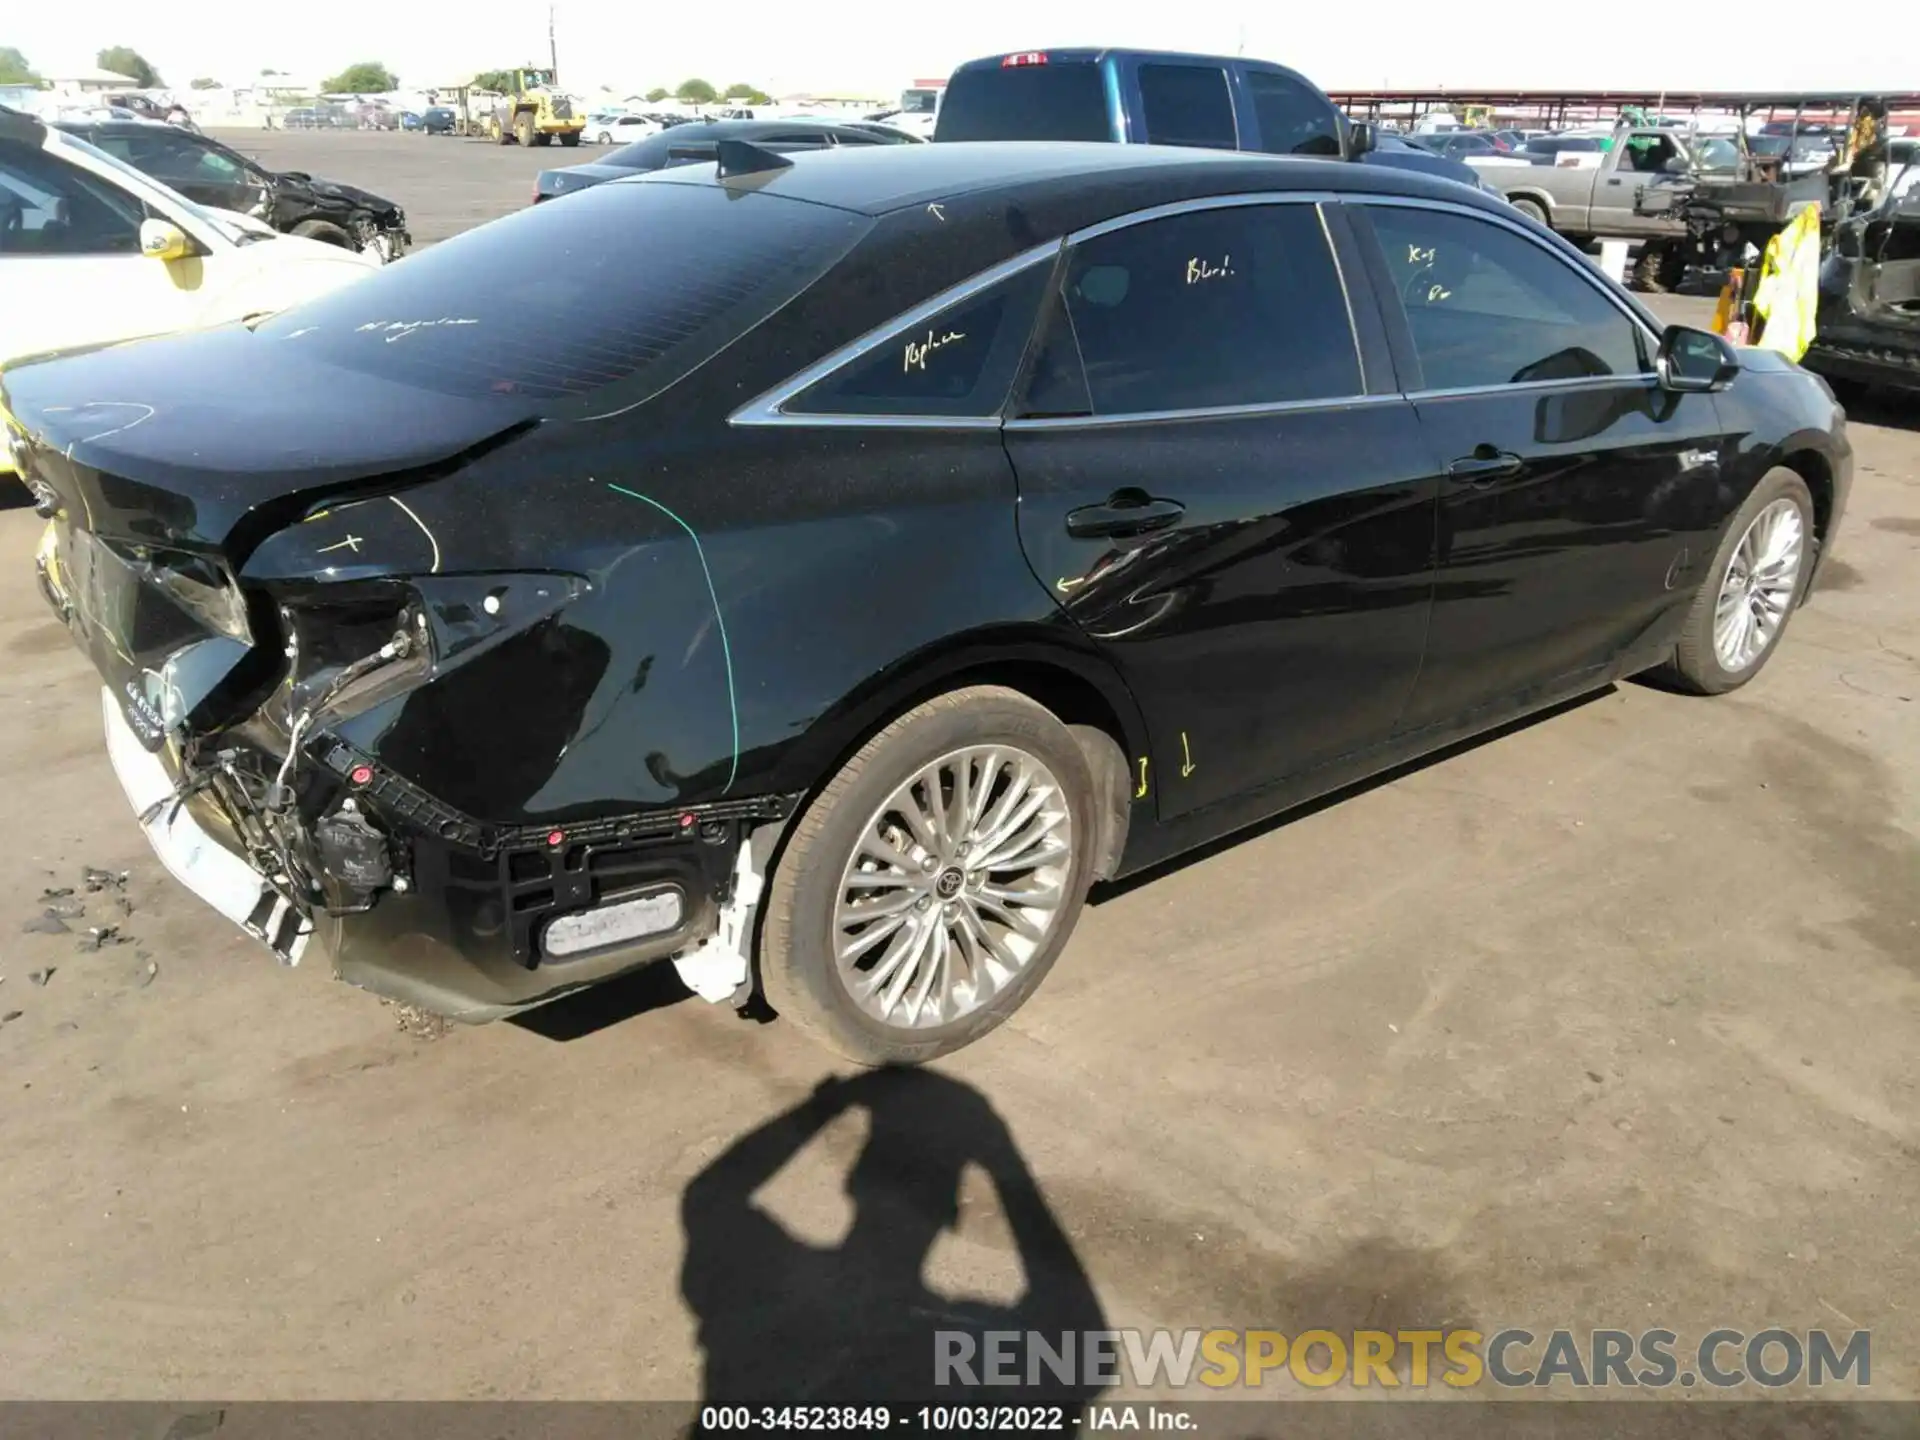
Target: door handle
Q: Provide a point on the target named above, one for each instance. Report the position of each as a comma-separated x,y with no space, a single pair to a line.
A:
1486,466
1125,512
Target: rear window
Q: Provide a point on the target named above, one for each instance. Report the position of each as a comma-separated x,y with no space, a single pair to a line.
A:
1026,102
632,279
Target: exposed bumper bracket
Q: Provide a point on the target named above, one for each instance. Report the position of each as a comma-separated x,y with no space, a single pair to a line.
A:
721,966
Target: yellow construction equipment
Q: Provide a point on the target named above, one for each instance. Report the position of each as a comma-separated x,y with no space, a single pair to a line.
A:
534,112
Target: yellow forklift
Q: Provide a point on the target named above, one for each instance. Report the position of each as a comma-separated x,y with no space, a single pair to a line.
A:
534,112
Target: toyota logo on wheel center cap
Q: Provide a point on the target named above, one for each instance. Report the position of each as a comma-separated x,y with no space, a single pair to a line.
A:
949,883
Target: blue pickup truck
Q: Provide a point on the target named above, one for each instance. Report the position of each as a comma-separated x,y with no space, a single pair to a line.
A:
1153,97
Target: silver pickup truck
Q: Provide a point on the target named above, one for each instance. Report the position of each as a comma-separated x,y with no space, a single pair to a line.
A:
1627,191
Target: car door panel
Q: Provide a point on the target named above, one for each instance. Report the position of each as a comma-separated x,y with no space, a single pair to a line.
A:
1579,501
1259,573
1278,621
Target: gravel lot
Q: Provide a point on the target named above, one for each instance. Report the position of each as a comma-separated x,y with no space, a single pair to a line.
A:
1607,1022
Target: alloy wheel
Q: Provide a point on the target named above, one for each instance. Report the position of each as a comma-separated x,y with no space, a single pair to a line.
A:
955,885
1762,578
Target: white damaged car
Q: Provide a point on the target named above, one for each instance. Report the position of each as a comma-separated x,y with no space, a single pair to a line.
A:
93,251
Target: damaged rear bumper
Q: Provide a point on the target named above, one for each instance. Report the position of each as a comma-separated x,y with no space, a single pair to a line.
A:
474,922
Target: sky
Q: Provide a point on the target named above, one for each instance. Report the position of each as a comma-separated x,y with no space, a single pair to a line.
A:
880,48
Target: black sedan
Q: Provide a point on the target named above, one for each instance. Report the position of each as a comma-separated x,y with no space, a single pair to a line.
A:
917,537
203,169
695,144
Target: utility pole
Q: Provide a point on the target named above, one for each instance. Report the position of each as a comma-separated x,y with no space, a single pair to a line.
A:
553,50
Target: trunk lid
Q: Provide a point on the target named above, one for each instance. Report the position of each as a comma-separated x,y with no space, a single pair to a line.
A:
207,441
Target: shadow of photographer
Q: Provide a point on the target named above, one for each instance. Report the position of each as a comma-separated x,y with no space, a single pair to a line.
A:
783,1321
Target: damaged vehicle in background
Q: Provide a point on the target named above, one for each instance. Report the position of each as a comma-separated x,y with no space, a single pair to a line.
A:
93,252
1868,328
503,668
291,201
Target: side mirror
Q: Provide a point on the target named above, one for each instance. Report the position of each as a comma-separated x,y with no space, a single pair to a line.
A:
1692,360
162,240
1677,165
1361,139
1846,241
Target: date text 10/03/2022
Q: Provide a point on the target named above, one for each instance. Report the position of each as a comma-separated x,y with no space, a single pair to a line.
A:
979,1419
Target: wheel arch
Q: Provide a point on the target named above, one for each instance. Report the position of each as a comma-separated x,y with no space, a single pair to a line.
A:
1078,685
1536,197
1817,470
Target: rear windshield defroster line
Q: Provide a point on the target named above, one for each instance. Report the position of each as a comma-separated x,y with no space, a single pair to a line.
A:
630,283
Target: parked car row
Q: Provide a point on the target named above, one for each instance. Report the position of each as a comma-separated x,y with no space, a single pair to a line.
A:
500,627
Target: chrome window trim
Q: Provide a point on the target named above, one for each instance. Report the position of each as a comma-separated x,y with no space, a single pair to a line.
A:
1641,381
1210,412
769,407
1201,202
1346,295
1587,274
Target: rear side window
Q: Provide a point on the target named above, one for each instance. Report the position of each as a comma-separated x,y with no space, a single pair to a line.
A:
1235,306
656,278
1187,105
959,363
1293,119
1026,102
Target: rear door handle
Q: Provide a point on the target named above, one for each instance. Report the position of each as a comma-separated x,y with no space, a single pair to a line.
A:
1486,466
1125,512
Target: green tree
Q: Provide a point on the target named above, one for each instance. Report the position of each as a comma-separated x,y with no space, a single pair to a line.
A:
124,60
501,80
203,83
14,69
696,92
654,96
367,78
748,94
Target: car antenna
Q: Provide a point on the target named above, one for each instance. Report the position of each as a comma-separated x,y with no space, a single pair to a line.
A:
743,157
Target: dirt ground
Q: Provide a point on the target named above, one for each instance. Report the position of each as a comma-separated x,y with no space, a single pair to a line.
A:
1607,1022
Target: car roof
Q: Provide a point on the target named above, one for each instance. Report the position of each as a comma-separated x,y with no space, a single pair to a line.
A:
878,179
1094,54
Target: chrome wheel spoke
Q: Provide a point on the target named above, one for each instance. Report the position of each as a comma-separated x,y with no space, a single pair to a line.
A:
954,886
918,816
860,944
1758,588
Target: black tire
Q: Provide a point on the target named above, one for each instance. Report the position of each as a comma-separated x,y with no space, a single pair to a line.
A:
1533,210
798,974
570,139
523,128
1695,667
542,139
326,232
